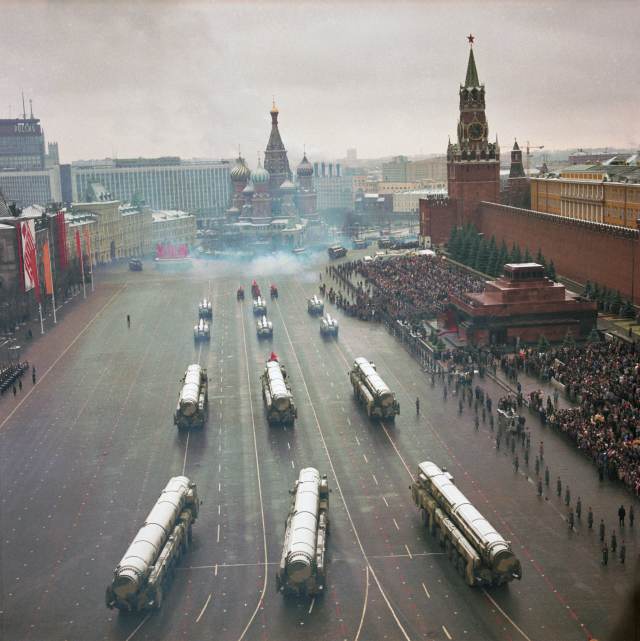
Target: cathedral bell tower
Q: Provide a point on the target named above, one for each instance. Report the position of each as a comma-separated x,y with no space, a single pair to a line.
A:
473,163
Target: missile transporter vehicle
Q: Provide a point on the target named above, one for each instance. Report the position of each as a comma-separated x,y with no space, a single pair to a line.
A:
481,556
302,570
193,402
201,331
276,393
259,306
204,309
329,326
372,392
315,306
264,328
142,576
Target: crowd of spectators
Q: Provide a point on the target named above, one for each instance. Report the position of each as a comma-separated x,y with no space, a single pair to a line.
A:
407,288
603,379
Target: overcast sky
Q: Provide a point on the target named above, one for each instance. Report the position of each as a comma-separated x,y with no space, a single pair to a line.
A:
196,79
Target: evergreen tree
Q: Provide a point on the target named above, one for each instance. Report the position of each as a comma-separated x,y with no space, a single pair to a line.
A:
453,242
518,255
588,290
627,310
527,256
539,257
594,336
616,302
551,271
482,258
543,343
568,341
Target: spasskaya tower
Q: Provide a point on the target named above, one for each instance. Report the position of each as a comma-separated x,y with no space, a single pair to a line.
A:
473,163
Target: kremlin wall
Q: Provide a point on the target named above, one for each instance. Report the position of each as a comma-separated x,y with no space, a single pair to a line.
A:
582,250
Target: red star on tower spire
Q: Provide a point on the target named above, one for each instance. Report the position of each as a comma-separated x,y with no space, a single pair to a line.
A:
470,38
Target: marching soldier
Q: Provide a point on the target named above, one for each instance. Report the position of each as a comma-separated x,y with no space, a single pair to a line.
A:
516,464
537,466
590,518
605,554
567,496
631,516
623,552
578,508
614,542
570,519
559,487
546,474
602,530
539,487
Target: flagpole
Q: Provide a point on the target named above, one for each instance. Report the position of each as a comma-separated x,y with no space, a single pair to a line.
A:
41,321
53,288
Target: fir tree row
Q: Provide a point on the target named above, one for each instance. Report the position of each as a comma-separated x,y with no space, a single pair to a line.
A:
471,248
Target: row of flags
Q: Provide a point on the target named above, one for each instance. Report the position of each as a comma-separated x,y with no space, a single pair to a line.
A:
28,255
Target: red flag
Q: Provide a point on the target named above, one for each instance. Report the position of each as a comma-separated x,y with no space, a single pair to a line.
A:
273,357
61,228
29,260
46,261
79,252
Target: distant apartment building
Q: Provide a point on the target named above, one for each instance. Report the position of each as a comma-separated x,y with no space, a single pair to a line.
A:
401,169
607,194
408,202
199,187
31,186
333,189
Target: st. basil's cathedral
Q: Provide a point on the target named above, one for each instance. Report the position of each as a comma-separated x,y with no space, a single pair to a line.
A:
266,200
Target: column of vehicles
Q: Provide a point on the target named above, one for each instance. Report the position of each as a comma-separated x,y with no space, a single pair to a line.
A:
479,553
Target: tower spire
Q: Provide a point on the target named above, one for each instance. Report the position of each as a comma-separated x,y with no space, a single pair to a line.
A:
472,73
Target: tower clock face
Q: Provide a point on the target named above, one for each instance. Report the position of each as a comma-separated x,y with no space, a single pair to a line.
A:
476,130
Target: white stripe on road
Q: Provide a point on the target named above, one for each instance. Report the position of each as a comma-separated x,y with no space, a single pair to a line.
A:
204,607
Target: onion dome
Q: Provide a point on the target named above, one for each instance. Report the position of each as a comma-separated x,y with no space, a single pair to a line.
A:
305,168
240,173
260,175
287,186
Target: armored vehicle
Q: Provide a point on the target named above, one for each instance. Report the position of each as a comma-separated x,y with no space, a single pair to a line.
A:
315,305
372,392
201,331
510,421
204,309
193,402
302,569
276,393
478,552
329,326
264,328
142,576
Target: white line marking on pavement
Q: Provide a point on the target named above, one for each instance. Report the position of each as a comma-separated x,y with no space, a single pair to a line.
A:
357,440
406,547
218,509
204,607
364,605
505,615
375,480
186,449
139,626
424,587
218,535
385,501
311,606
215,572
447,633
396,524
69,346
364,456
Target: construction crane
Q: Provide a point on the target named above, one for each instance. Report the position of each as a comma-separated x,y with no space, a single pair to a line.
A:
528,153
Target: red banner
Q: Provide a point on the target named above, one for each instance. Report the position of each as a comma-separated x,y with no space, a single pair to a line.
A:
61,229
168,250
29,261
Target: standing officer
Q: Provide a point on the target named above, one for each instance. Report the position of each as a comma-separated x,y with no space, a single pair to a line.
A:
539,487
559,487
590,518
417,407
602,530
614,542
570,519
605,554
623,552
546,475
578,508
621,514
631,515
567,496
